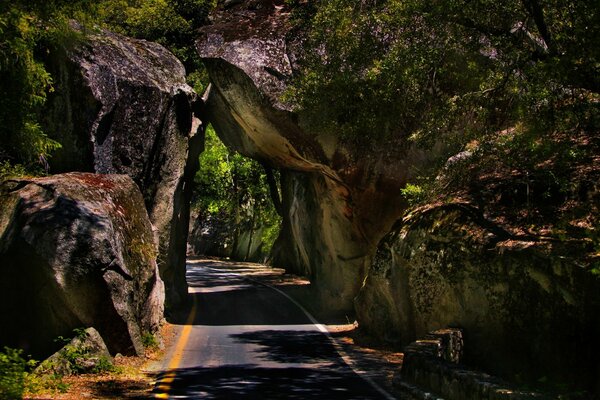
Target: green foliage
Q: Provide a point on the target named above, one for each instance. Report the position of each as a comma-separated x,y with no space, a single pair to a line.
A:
46,382
449,69
414,194
234,187
24,82
8,171
76,355
149,341
103,365
13,373
172,23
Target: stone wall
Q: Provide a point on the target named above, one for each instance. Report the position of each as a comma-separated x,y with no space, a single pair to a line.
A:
431,369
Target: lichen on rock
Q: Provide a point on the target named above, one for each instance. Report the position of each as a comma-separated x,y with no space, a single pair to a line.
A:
122,106
77,250
527,307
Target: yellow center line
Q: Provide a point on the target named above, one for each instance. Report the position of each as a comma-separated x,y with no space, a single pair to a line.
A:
164,385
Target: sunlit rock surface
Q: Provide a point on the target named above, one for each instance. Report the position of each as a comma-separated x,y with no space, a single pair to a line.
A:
339,198
76,251
122,106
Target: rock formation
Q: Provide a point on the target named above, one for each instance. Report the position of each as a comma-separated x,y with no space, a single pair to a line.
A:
220,236
77,250
339,199
85,353
526,304
527,307
123,106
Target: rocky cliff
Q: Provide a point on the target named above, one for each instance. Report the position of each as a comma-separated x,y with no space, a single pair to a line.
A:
77,250
339,199
122,106
528,306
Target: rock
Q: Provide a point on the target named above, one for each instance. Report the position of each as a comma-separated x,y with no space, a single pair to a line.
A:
85,353
527,308
339,198
122,106
211,236
77,250
220,236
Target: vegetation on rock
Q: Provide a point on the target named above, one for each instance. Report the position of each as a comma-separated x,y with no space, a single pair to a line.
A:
510,88
29,28
429,70
13,373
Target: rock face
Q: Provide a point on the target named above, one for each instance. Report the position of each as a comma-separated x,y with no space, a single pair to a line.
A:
220,236
527,308
77,250
211,236
339,199
122,106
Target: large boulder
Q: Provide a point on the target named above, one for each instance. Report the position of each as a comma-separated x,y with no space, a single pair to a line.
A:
122,106
77,250
339,198
528,306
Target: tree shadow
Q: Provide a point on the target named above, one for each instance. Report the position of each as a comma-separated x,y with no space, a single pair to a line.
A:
290,358
289,346
252,382
121,389
242,294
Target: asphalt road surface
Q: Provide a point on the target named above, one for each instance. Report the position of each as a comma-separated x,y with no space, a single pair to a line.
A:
244,338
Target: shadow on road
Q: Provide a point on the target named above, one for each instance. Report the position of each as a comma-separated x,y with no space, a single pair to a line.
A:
248,341
288,346
227,294
252,382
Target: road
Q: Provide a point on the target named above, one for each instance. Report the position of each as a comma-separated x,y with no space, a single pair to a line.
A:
245,338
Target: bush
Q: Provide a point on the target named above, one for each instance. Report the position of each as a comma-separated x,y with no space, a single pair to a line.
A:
149,341
14,370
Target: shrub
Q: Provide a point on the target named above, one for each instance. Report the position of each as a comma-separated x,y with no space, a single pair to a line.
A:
149,340
13,373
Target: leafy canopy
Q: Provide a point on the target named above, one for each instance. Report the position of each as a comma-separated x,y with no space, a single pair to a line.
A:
447,68
234,187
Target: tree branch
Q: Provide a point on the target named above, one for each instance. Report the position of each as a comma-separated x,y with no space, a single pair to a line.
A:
273,189
536,11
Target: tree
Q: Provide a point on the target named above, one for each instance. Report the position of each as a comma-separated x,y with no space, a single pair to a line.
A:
237,189
446,67
24,82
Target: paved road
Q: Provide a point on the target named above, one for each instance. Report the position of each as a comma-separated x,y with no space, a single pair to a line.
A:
246,340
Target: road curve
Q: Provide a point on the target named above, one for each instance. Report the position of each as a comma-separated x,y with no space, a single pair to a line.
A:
245,339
